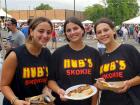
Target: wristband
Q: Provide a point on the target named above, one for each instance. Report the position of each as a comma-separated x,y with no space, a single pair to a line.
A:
13,100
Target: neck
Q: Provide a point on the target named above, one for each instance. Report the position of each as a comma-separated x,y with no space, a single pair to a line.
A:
112,46
34,50
14,30
77,46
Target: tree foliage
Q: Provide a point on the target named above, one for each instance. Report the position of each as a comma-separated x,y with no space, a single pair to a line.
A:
117,10
43,7
94,12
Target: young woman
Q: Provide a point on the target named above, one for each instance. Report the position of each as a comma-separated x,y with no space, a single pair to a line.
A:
119,63
73,64
25,70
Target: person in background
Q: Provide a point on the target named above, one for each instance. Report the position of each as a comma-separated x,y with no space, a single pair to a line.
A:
54,39
138,37
25,69
70,59
120,63
26,27
101,48
125,34
15,37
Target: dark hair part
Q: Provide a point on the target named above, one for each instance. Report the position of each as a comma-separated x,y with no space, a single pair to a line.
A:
35,22
29,21
13,21
107,21
75,21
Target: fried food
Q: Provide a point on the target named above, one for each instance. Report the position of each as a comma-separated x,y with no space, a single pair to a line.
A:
84,90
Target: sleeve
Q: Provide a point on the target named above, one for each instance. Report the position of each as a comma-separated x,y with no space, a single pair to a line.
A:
97,63
53,67
134,56
21,39
48,56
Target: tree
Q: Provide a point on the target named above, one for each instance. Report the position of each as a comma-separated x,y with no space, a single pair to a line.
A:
120,10
117,10
43,7
94,12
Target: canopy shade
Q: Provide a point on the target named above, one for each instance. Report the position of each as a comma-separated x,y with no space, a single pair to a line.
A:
135,20
3,13
87,22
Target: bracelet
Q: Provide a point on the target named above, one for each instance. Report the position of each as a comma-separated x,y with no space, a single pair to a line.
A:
13,100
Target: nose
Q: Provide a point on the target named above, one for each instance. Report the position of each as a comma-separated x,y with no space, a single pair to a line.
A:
46,33
72,31
102,33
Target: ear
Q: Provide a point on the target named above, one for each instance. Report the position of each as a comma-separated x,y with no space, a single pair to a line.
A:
31,32
114,31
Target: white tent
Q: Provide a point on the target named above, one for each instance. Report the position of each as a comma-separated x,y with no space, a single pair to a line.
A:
87,22
3,13
135,20
56,21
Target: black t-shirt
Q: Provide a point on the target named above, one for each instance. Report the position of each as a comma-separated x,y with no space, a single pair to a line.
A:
31,74
120,65
70,67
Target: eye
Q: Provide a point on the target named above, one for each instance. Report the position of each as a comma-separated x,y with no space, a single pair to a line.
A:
41,31
105,30
68,30
98,32
49,32
75,28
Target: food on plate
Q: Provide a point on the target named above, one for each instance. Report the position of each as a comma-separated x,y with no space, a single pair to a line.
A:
118,84
106,84
80,91
40,100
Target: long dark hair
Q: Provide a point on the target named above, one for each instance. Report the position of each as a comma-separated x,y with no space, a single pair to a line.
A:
75,21
107,21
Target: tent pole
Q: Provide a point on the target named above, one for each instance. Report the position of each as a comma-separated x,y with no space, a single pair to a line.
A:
6,9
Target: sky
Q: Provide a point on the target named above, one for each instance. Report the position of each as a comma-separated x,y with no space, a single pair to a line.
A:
56,4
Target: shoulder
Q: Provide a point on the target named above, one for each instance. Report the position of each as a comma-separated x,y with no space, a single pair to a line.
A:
91,49
20,50
61,50
128,47
46,51
21,33
11,55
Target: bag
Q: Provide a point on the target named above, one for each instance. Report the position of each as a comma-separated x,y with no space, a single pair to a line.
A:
134,98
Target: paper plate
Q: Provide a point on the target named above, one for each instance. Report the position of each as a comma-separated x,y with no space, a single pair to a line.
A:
80,96
113,85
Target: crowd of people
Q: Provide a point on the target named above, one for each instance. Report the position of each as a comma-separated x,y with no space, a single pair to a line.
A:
29,68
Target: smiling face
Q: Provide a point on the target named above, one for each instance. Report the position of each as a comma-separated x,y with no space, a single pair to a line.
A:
105,34
41,34
74,32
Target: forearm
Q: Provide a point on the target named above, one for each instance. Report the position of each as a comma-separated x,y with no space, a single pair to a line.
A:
134,81
8,93
95,99
53,85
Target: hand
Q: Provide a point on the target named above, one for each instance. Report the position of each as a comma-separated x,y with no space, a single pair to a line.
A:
21,102
46,89
61,93
100,84
125,87
47,92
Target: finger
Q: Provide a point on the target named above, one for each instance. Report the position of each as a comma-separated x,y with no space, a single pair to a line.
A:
123,90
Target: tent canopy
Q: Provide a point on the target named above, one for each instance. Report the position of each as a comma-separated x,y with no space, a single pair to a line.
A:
135,20
87,22
56,21
3,13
